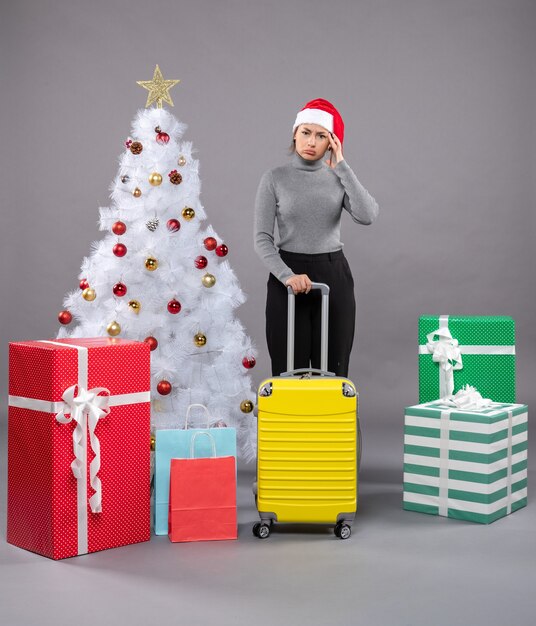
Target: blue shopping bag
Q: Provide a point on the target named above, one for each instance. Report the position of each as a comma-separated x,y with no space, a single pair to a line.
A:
175,444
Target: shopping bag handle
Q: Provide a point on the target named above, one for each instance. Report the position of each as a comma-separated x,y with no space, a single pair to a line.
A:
198,434
202,406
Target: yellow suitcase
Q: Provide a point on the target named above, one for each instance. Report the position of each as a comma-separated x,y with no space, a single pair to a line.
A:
308,435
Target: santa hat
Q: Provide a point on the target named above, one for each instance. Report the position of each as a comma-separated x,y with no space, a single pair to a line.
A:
324,114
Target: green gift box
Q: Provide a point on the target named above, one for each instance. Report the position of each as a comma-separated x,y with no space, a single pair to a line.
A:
469,465
455,351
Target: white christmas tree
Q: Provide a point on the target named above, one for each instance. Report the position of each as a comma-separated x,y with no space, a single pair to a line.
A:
161,276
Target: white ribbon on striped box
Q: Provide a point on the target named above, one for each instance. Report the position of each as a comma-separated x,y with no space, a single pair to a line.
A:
444,446
85,408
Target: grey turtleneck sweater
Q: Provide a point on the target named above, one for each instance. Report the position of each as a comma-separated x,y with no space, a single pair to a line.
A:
306,198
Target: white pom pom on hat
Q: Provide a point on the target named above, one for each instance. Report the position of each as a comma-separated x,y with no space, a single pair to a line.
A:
324,114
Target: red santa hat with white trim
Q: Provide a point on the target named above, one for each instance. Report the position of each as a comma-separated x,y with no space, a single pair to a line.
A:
324,114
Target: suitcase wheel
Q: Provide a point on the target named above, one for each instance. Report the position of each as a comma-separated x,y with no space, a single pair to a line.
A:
342,531
262,531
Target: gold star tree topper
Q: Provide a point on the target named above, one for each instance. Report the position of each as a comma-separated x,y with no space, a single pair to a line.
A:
158,89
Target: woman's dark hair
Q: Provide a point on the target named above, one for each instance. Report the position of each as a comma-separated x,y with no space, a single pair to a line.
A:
292,147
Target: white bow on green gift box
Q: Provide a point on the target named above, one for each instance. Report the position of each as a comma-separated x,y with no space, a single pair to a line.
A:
480,348
445,351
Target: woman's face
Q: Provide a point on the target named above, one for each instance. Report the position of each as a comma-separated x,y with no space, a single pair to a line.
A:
311,141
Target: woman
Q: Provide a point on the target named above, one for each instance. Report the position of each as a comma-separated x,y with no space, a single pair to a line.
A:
307,197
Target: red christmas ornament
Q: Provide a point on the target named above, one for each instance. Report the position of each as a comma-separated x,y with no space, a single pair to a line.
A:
222,250
174,306
173,225
210,243
119,228
249,362
119,249
153,343
119,289
65,317
162,138
163,387
128,143
84,284
201,262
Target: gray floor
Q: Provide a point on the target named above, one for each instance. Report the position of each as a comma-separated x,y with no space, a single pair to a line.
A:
397,568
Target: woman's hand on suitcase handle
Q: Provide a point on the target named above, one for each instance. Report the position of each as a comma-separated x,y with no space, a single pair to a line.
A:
300,283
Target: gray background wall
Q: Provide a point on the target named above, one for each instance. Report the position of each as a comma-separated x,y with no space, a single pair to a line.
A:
438,100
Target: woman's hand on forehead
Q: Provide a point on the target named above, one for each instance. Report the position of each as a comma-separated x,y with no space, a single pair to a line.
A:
336,150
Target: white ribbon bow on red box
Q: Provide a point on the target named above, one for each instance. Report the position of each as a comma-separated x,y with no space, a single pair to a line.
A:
86,409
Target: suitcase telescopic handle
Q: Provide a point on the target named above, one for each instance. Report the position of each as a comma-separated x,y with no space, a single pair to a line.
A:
291,322
306,370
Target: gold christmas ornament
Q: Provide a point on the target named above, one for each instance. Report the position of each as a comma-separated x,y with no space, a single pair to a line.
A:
151,263
153,443
181,161
188,213
200,340
158,89
113,329
246,406
208,280
135,306
155,179
137,192
89,294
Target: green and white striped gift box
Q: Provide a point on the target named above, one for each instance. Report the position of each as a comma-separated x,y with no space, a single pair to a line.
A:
469,465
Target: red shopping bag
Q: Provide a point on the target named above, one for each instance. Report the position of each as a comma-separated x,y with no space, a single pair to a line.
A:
202,497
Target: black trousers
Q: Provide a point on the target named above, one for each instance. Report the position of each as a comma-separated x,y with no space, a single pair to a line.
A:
331,268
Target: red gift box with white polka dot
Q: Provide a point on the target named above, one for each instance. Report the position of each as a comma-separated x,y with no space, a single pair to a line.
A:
43,503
